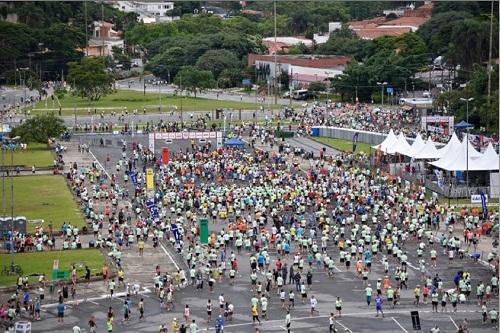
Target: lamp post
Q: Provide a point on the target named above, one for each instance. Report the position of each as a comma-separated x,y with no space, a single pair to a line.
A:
467,100
382,85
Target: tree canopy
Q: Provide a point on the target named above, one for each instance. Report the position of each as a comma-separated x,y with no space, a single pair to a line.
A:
89,78
193,79
39,128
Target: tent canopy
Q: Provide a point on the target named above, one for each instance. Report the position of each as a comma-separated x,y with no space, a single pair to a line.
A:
417,145
401,146
234,142
461,158
463,125
389,141
488,161
428,151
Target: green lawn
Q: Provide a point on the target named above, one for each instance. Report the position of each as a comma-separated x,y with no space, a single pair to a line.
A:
344,145
41,262
136,100
43,197
37,154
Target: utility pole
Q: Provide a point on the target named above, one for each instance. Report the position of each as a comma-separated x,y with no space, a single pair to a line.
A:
86,30
101,27
490,67
275,56
467,100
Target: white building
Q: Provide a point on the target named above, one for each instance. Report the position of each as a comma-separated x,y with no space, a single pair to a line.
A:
148,12
322,37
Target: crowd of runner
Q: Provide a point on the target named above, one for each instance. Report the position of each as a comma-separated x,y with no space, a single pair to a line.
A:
292,223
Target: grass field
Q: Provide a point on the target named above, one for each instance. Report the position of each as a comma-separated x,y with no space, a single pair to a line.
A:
136,100
43,197
344,145
37,154
41,262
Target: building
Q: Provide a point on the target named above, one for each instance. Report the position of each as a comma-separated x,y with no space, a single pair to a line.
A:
103,39
148,12
322,38
302,69
283,44
409,21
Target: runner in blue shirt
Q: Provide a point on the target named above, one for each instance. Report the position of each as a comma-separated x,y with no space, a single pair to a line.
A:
378,305
219,324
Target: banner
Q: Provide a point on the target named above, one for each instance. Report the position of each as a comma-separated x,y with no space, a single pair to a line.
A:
149,179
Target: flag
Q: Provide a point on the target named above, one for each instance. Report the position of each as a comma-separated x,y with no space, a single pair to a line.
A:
440,182
354,141
133,177
153,209
483,205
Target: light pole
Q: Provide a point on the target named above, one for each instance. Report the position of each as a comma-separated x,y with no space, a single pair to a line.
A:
382,85
467,100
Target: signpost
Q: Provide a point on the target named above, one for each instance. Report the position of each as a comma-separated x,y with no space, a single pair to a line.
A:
204,231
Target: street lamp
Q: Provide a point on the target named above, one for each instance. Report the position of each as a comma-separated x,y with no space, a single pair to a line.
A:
382,86
467,100
23,69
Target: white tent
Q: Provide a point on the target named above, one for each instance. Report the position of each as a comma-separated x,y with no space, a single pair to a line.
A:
401,146
429,151
456,160
450,148
389,141
417,145
488,161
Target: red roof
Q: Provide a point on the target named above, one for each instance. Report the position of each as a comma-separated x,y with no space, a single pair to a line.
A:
313,62
379,32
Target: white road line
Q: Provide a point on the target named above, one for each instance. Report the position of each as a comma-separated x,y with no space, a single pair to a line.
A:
456,326
93,302
338,269
283,327
343,326
169,256
99,163
397,322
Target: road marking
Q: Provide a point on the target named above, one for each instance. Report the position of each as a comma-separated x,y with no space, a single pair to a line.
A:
397,322
344,327
99,163
93,302
283,327
456,326
338,269
93,299
169,256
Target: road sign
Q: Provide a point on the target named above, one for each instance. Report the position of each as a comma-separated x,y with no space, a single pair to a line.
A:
390,90
246,82
204,231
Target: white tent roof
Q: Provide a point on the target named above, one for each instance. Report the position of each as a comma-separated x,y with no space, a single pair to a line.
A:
417,145
450,148
401,146
428,151
456,160
488,161
389,141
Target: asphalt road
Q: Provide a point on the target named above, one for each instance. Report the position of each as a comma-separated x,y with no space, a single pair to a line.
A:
357,316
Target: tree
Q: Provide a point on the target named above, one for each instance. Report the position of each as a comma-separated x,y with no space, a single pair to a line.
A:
89,78
317,86
216,61
193,79
167,64
40,128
